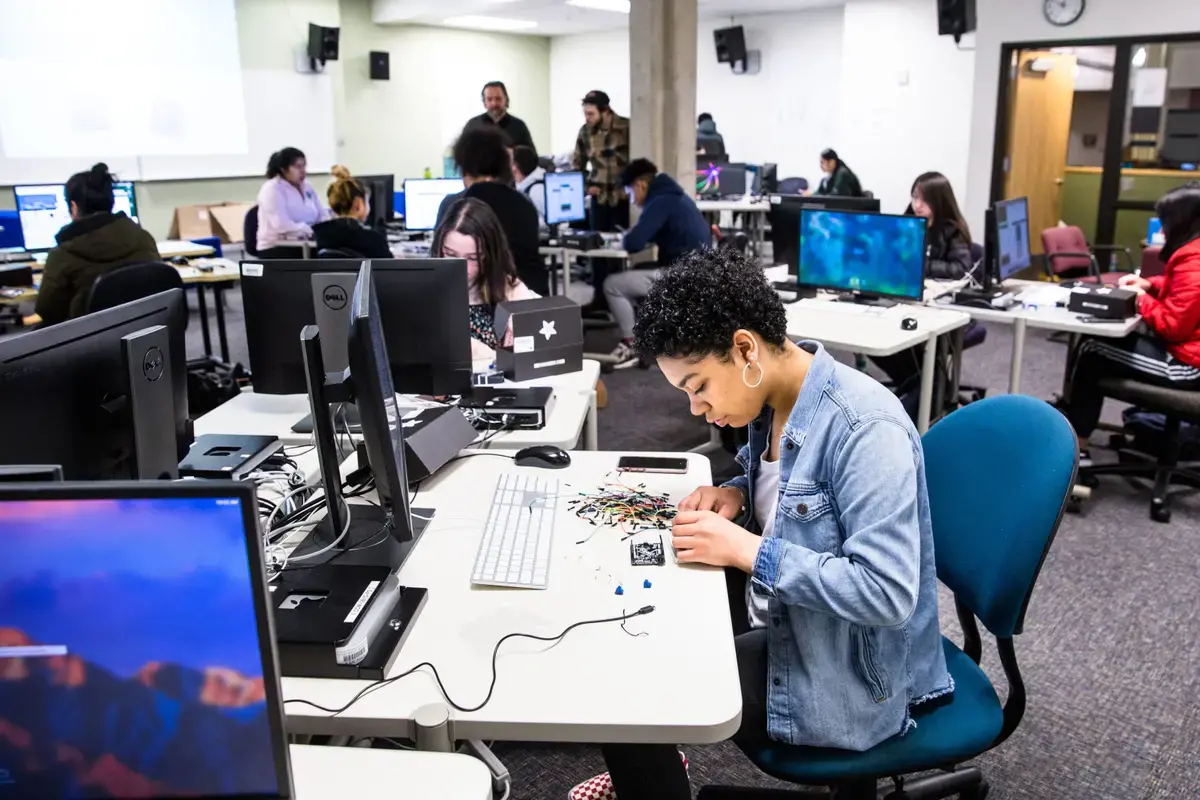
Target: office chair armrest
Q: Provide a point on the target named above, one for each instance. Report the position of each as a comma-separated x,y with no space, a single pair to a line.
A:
1117,248
1068,254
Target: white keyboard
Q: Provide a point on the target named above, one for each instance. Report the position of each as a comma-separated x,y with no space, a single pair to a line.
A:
515,550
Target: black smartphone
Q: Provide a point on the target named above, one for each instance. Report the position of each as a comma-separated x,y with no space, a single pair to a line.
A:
671,466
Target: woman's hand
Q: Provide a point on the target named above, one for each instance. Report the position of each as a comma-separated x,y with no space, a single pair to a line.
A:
722,500
1134,283
704,537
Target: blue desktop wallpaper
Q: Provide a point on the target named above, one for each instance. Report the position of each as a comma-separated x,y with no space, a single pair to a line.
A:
872,253
145,675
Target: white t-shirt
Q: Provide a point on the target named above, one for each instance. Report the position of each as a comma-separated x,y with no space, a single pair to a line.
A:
766,501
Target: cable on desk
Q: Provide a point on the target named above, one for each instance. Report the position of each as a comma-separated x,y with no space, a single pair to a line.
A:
495,654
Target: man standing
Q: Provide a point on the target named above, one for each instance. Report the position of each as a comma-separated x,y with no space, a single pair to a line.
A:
602,152
495,100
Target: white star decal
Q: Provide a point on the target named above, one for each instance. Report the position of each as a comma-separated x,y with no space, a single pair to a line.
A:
547,329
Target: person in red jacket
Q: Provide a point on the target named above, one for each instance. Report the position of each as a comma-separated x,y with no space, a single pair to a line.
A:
1168,352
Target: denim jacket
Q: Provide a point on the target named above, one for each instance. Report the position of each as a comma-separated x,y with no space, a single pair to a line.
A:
853,639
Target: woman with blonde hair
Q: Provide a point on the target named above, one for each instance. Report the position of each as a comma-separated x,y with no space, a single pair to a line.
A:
345,232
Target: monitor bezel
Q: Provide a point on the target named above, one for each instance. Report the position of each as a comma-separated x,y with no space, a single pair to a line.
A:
1000,276
920,295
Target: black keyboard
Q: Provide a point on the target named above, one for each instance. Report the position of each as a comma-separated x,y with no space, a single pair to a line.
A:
785,286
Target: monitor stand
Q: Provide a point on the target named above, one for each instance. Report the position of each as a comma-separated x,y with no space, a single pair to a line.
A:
866,299
345,415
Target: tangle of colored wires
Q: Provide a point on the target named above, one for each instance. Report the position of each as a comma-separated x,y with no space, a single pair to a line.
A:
631,509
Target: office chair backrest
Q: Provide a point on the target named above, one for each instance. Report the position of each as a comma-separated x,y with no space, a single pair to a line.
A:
132,282
338,252
250,232
793,185
1066,239
991,535
1152,263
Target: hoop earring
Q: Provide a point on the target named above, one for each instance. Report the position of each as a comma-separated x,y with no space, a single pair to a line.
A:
758,382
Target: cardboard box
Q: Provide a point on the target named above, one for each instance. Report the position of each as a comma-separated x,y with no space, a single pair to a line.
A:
547,338
223,220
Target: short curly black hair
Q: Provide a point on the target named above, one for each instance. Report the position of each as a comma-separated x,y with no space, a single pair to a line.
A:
482,151
696,306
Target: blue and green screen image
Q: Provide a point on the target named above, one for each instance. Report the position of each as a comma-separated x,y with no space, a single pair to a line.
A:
878,254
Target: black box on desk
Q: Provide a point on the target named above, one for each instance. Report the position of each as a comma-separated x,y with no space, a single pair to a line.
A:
547,338
1105,302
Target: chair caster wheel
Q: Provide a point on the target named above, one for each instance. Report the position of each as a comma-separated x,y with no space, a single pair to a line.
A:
1088,480
1074,505
1159,511
980,792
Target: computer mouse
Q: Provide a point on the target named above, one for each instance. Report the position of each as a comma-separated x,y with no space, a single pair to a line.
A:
543,456
909,323
179,261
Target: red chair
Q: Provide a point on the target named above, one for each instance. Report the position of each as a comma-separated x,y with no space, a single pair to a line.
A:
1152,263
1069,256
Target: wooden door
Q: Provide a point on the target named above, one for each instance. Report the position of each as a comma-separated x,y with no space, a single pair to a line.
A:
1039,131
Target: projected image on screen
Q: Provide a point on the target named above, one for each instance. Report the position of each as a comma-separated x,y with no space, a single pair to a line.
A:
876,254
129,655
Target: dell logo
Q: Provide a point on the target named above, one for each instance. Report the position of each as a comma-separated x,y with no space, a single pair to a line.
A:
334,297
152,364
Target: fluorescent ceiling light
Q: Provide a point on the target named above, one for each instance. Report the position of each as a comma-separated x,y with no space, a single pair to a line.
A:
619,6
489,23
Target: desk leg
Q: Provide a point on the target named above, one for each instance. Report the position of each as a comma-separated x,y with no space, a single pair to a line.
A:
202,307
928,366
222,337
1018,352
956,354
566,273
591,436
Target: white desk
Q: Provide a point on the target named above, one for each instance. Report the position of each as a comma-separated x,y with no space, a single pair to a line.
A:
873,331
334,773
574,412
599,684
171,248
1048,317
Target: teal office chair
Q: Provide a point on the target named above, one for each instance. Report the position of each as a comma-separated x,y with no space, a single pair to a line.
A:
989,552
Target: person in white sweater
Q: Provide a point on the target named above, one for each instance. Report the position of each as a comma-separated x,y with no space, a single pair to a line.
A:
471,231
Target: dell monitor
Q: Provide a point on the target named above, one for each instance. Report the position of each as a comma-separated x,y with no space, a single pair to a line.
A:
44,210
382,198
137,644
425,311
784,218
869,256
566,197
1012,237
423,198
104,395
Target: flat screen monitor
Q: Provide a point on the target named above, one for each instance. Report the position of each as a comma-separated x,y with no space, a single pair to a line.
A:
43,210
67,391
143,658
566,197
1012,237
877,255
721,180
783,214
423,197
424,307
382,198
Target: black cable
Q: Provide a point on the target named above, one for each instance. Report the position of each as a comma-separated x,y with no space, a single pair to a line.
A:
495,653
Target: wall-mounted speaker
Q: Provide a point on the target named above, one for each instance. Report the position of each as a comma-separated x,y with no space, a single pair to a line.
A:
322,43
731,44
956,17
380,65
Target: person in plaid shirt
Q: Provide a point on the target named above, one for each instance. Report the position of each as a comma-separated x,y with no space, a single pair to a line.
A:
602,153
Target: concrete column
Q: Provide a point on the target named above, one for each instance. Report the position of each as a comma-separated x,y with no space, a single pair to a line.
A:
662,76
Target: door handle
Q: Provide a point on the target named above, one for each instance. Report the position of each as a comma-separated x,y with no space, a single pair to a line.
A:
1058,181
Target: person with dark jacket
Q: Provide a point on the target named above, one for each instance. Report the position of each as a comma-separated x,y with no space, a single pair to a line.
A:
1168,353
96,241
495,101
839,181
350,204
949,259
481,152
671,221
708,141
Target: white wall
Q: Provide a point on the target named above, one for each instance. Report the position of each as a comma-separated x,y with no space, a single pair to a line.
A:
578,64
906,98
1022,21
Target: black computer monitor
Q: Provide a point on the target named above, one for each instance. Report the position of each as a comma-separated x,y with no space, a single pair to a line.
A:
721,180
1012,237
425,310
768,178
75,394
383,193
566,197
784,218
871,256
147,651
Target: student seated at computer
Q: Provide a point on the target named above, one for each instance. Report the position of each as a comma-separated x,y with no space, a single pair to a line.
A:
481,152
288,205
94,242
1168,354
472,231
530,178
838,180
350,203
671,221
835,558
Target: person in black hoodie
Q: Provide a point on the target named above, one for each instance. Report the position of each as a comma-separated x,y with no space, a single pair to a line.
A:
96,241
949,259
481,152
670,220
350,203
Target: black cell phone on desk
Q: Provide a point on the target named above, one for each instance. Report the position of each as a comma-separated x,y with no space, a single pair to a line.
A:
669,466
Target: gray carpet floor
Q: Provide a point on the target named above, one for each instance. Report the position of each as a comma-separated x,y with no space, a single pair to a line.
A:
1111,648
